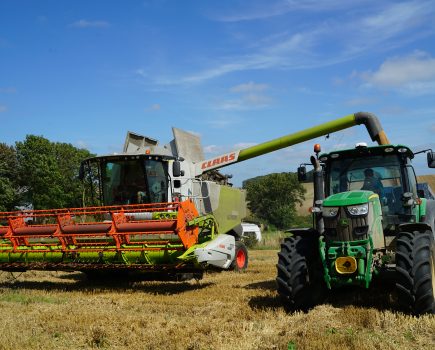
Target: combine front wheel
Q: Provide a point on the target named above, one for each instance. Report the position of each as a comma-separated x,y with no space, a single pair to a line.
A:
415,265
240,262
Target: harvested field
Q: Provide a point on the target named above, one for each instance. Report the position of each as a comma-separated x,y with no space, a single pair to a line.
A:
46,310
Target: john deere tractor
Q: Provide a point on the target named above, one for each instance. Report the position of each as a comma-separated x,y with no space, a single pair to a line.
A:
369,221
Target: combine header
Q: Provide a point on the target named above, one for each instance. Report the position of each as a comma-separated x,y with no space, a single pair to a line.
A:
139,236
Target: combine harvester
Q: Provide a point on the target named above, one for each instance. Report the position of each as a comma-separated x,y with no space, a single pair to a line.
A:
167,210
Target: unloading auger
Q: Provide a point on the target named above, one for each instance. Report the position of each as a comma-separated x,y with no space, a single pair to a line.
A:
159,208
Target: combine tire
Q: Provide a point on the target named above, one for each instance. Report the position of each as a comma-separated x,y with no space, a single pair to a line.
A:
240,262
300,281
415,266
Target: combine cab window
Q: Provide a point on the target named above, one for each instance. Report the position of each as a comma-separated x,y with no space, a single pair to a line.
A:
157,181
380,174
134,181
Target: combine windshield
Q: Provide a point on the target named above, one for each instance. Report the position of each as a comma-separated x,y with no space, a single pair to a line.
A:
134,181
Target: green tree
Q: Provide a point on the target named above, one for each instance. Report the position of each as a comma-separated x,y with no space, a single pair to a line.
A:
49,172
9,191
273,198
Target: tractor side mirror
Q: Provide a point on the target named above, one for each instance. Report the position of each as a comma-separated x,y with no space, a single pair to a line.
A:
302,173
431,159
82,172
176,169
177,183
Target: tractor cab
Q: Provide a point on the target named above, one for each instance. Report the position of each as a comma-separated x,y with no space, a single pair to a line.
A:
384,170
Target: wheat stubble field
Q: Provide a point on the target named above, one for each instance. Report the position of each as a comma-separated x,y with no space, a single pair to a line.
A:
58,310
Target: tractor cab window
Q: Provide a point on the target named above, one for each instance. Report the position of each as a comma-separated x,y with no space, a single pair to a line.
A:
134,181
380,174
412,180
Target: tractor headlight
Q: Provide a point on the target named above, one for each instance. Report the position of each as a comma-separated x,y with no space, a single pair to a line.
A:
358,210
329,212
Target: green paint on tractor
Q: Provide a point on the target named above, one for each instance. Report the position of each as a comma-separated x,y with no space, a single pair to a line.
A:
370,222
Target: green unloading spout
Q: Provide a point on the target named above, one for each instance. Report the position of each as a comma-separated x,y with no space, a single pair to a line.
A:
371,122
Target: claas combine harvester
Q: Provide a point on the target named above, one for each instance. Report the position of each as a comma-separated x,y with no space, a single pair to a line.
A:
165,209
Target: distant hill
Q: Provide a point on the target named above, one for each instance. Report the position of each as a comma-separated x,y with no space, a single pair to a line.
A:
429,179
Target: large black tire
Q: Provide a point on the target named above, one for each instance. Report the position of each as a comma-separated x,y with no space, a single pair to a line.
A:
240,262
415,266
300,279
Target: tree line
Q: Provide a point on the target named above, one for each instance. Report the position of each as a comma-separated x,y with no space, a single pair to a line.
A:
40,174
272,199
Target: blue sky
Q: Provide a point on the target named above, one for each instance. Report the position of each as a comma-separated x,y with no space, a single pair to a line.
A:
235,72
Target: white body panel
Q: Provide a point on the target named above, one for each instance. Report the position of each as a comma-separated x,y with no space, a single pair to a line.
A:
219,252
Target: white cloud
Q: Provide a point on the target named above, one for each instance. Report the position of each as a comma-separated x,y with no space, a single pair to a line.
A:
249,96
242,145
245,102
8,90
41,19
413,74
83,23
82,144
361,101
395,18
262,10
213,149
249,87
141,72
317,44
153,107
3,108
223,121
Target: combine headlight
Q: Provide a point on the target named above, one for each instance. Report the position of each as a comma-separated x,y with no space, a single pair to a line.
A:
358,210
329,212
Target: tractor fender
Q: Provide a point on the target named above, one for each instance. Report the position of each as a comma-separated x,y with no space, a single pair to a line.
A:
421,227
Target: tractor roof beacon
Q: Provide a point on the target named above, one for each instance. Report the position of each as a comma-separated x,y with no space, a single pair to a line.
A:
370,221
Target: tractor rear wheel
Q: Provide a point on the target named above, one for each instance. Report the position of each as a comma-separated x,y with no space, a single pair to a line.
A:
240,262
300,280
415,266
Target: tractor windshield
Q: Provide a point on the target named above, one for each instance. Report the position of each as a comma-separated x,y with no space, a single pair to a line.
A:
378,173
134,181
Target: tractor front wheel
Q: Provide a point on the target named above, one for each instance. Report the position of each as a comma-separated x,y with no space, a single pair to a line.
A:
240,262
300,280
415,266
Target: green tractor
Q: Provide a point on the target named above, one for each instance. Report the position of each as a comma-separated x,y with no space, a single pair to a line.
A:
369,221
